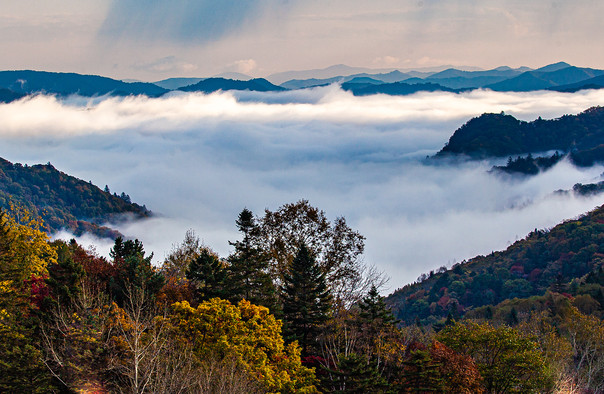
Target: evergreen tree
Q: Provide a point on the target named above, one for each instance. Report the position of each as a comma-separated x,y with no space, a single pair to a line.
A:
374,309
306,300
355,374
249,276
421,374
133,270
65,276
208,275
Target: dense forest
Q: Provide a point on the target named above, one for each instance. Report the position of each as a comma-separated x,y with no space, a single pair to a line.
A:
294,308
501,135
561,260
63,201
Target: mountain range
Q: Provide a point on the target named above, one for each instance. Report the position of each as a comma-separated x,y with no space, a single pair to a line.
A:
559,76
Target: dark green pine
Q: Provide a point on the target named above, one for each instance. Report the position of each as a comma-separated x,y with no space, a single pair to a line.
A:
355,374
209,276
248,270
306,300
374,309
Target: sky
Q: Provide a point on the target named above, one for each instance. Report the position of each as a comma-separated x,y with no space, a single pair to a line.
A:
197,160
152,39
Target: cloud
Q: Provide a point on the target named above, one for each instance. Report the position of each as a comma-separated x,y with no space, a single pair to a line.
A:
166,65
197,160
386,61
246,66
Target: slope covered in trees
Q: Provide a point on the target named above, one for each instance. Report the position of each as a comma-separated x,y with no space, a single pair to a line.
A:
563,259
63,201
500,135
72,321
64,84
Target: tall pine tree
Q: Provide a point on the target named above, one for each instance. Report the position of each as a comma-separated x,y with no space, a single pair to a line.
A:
249,276
209,276
306,300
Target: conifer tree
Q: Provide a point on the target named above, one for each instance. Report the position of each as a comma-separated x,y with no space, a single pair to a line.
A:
374,309
133,270
209,276
421,374
355,374
306,300
249,276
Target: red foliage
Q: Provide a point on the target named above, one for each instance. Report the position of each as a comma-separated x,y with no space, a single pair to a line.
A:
39,290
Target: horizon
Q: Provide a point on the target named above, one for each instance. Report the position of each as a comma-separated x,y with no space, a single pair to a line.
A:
352,71
152,40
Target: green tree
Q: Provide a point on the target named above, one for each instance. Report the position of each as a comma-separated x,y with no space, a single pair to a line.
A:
133,269
421,374
335,246
249,276
374,309
65,276
507,361
306,300
355,374
208,276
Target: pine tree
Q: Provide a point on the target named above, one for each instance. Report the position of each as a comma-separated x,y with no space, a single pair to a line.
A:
209,276
134,270
421,373
355,374
66,275
306,300
374,309
248,271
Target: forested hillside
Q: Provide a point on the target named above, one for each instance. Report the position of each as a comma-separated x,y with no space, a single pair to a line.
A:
293,309
64,202
501,135
566,258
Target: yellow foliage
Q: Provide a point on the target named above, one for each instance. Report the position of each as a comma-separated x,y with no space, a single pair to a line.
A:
250,334
27,250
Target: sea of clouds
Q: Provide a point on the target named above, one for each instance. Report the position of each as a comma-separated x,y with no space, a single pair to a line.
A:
196,160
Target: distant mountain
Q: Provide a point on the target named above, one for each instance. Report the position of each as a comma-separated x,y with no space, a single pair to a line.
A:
565,259
393,89
592,83
175,83
539,80
500,135
364,80
553,67
210,85
309,83
460,79
64,84
338,70
505,72
233,75
393,76
63,201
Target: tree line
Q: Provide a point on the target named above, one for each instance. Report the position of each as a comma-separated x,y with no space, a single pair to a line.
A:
293,308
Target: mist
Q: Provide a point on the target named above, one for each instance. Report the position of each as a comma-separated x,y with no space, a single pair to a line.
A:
197,160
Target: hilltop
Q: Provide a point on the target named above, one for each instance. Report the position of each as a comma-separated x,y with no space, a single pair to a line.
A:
63,201
501,135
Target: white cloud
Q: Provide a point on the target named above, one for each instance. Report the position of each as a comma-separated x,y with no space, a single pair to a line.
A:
197,160
246,66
